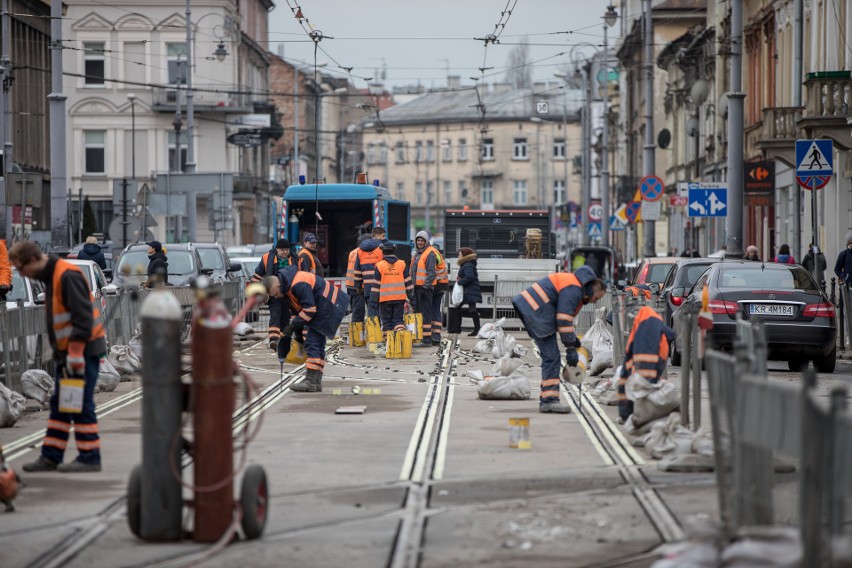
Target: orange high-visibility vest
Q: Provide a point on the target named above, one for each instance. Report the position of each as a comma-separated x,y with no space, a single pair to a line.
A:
350,269
392,280
420,277
62,317
441,272
313,264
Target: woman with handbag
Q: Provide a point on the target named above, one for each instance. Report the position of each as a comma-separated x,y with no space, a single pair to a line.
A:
468,277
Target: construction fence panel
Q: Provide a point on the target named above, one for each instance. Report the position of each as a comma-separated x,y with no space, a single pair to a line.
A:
23,342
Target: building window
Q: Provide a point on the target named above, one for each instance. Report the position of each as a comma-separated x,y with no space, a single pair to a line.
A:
134,61
558,148
448,192
418,151
172,163
487,148
371,154
558,191
429,193
95,151
94,63
175,62
400,190
487,192
519,149
383,153
462,150
446,150
462,191
519,196
418,192
430,151
400,152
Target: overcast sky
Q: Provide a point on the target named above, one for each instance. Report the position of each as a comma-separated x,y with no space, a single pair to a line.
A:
418,40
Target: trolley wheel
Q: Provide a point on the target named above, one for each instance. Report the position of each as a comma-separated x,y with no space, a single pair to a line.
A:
134,500
254,501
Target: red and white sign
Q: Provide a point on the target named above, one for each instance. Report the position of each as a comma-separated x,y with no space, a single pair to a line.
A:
678,200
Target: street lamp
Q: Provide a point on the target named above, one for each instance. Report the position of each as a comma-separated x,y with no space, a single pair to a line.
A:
132,98
610,17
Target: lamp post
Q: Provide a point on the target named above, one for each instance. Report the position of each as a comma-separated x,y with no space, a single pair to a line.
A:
132,98
610,17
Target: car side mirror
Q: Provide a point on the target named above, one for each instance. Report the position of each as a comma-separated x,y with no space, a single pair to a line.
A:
235,267
110,289
40,299
205,271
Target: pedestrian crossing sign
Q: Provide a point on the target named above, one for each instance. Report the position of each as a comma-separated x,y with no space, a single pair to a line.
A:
814,158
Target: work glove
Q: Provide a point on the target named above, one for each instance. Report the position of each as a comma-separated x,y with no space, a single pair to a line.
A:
577,343
571,357
75,362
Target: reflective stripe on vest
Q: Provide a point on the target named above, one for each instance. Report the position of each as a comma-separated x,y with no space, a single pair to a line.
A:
350,269
61,317
301,276
392,285
441,273
420,278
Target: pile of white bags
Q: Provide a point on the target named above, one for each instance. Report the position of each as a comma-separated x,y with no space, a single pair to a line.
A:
108,377
497,342
12,405
37,385
650,400
243,329
598,342
505,381
135,345
124,360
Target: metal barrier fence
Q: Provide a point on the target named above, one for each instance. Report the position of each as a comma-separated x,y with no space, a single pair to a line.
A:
755,418
24,343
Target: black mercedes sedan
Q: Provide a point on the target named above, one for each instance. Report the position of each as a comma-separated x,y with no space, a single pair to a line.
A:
800,321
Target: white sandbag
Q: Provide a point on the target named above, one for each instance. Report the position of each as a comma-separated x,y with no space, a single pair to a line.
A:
489,330
12,405
243,329
506,365
702,442
484,346
108,377
457,296
598,342
668,437
650,400
124,360
764,547
135,345
688,554
477,376
37,385
514,387
644,430
503,344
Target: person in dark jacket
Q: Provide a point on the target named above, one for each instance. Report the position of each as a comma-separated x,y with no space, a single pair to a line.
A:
843,266
308,259
158,264
784,256
93,251
468,277
368,255
815,261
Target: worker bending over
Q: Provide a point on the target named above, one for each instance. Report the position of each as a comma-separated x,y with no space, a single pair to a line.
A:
550,306
646,354
394,289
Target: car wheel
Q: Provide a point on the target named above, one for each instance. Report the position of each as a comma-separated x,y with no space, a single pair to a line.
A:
797,365
675,354
826,364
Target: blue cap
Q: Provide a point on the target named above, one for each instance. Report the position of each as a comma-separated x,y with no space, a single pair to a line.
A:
309,238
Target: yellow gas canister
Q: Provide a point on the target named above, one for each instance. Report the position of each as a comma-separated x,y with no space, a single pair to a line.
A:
374,330
357,336
399,345
414,323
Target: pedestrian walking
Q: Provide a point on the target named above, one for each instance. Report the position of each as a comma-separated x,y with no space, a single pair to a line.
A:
784,256
93,251
843,266
394,289
430,284
646,354
549,307
279,258
366,280
357,303
78,341
814,263
308,259
158,265
5,272
318,308
752,254
468,278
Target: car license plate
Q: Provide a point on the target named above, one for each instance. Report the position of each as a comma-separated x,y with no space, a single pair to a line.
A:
771,309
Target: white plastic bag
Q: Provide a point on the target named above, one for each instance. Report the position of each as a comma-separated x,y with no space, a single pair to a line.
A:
124,360
489,330
764,547
108,377
506,365
514,387
598,341
457,296
37,385
484,346
243,329
135,345
669,437
650,401
12,405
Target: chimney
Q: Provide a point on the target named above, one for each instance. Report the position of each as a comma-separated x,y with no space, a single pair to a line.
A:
453,81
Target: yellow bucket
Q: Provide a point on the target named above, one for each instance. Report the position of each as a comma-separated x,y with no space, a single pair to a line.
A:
374,330
297,354
414,323
399,345
357,337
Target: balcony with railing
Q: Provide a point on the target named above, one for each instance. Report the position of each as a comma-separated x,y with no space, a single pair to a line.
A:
215,97
827,107
778,132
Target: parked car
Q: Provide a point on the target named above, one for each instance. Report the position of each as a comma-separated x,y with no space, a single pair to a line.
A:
132,267
680,280
239,250
652,270
214,258
600,259
799,319
260,250
95,276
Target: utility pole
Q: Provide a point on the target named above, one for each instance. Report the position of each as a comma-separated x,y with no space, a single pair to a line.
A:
649,164
734,223
798,56
190,100
58,201
296,168
123,213
6,64
609,19
587,153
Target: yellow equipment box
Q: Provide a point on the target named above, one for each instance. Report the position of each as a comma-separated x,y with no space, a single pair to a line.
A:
399,345
374,331
357,336
414,323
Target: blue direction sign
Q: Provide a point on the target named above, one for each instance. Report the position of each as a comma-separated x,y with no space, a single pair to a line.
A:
615,224
651,188
595,230
814,163
708,202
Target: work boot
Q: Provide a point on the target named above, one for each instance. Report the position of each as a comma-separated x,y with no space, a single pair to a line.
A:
311,383
77,466
436,340
426,342
41,464
554,407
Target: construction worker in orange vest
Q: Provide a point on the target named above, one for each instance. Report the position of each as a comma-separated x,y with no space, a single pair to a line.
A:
394,289
369,253
549,307
78,341
357,302
318,309
646,354
430,284
308,259
5,272
277,259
